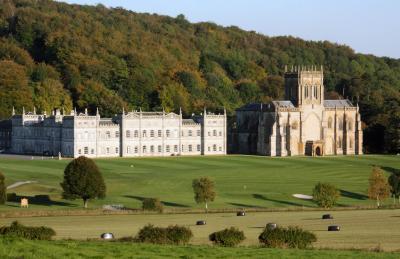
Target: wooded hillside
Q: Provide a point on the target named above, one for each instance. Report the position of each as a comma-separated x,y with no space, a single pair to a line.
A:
58,55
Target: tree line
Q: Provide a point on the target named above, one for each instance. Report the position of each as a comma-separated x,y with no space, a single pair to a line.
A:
59,55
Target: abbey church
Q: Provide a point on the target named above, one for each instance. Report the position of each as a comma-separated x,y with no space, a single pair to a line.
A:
302,124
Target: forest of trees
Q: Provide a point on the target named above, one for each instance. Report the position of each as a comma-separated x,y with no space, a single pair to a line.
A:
59,55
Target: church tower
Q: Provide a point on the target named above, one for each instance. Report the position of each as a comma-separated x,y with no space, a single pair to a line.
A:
304,86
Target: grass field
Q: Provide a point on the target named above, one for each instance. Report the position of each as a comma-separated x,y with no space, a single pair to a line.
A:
241,181
75,249
364,229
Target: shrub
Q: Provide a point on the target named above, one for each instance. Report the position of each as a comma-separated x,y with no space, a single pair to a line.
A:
227,237
153,204
157,235
291,237
12,197
3,189
179,235
325,195
32,233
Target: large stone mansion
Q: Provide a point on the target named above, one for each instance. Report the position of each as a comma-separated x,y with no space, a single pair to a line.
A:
303,124
130,134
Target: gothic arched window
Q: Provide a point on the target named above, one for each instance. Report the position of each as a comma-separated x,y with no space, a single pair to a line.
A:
330,123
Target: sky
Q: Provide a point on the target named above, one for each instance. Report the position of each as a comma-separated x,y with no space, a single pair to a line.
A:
367,26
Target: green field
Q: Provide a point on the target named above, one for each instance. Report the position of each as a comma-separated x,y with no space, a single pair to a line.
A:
241,181
76,249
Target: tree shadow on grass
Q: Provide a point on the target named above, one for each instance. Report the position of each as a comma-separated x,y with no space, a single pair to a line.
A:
262,197
353,195
241,205
43,200
166,203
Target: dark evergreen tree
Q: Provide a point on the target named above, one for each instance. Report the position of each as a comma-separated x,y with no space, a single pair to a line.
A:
83,179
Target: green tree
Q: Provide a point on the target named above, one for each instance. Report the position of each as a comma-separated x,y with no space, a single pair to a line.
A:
325,195
3,189
204,191
379,188
394,182
83,179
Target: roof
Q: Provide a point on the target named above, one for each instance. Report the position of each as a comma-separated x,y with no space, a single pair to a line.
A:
251,107
107,122
283,104
189,122
337,103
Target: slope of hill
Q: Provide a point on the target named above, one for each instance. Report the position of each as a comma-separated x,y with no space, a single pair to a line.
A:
58,55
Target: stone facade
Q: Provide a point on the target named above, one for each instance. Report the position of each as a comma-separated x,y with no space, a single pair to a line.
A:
303,124
130,134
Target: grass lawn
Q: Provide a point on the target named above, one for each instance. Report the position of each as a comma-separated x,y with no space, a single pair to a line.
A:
75,249
241,181
365,229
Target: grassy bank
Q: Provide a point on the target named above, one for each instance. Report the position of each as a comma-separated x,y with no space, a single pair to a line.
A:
14,248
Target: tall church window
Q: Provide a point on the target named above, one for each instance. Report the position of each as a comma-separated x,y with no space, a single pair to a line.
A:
351,143
330,123
350,125
340,142
340,124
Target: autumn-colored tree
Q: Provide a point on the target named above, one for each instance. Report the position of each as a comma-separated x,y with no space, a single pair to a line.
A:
379,188
204,191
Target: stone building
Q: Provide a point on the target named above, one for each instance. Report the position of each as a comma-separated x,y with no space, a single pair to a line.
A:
303,124
130,134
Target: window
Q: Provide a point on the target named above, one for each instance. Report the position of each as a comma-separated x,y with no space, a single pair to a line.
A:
190,133
220,148
183,148
198,148
209,149
315,92
330,123
144,149
144,133
214,147
92,151
116,150
168,133
108,150
175,148
340,142
220,133
136,134
351,143
198,133
136,150
152,149
190,148
117,134
167,148
350,125
79,151
340,124
108,134
159,149
86,150
214,133
128,133
159,133
209,134
152,133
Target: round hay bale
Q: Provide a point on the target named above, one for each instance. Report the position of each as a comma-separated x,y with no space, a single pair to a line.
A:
200,222
271,226
333,228
241,214
107,236
327,216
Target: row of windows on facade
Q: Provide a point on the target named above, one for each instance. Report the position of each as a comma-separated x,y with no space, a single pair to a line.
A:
168,149
152,134
330,124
